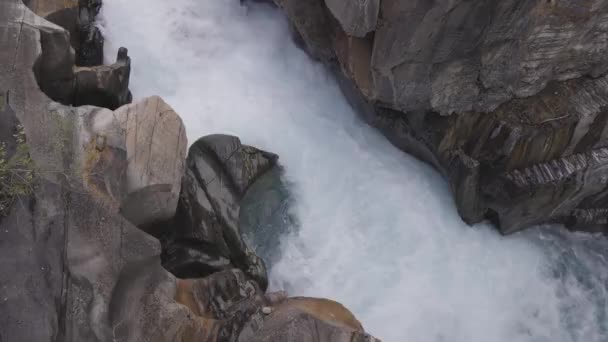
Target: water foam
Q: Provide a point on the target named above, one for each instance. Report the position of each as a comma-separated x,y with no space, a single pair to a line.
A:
378,229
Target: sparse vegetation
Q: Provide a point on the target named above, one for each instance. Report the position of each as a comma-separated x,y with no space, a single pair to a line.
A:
17,172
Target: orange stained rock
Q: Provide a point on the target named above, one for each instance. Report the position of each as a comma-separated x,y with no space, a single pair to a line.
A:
323,309
185,296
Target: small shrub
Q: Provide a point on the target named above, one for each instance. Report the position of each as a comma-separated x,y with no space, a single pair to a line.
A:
17,172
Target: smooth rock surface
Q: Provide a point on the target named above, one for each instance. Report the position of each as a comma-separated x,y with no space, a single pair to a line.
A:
205,235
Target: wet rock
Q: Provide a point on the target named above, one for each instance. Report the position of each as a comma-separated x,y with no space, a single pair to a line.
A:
490,93
90,39
105,85
205,233
482,54
265,214
313,24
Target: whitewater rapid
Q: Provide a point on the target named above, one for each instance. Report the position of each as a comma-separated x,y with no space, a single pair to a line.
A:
378,230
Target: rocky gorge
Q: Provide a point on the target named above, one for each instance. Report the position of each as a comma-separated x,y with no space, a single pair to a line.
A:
506,99
98,195
121,221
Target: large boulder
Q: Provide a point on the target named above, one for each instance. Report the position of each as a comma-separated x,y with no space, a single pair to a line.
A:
265,214
89,38
505,98
205,237
133,158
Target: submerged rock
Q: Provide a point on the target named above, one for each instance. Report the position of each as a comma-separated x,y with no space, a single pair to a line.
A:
205,235
505,98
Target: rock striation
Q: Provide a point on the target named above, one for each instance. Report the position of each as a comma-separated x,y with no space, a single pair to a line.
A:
131,159
506,99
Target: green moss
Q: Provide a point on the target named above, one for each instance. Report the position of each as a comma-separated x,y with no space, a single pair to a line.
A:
17,172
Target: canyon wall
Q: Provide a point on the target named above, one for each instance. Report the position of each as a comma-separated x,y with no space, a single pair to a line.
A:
505,98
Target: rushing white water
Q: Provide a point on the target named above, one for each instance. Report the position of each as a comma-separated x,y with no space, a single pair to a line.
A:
378,229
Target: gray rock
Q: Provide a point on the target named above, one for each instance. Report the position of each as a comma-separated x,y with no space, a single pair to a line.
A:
62,250
357,18
265,214
312,23
104,85
90,40
205,233
133,158
504,98
482,54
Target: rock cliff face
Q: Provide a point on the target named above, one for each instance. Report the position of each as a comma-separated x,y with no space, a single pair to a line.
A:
81,188
505,98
